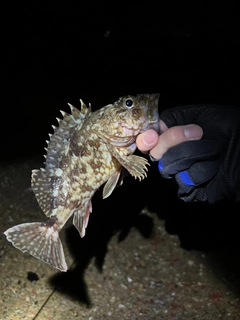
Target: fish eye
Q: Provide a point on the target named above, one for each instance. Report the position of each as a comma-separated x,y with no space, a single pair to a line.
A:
129,103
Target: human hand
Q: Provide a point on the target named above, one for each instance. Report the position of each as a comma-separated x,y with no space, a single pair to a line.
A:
206,169
170,137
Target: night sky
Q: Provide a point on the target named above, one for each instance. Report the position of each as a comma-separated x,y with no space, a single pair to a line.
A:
57,53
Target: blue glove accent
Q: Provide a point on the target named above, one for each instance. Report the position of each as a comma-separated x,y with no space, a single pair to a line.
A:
160,166
184,176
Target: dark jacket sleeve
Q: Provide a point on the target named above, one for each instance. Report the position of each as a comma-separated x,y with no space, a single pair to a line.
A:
206,169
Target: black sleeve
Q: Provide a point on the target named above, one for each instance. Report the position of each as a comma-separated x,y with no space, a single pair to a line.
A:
206,169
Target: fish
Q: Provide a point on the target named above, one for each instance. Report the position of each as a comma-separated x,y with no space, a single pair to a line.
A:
87,149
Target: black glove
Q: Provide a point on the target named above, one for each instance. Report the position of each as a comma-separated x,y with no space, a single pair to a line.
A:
206,169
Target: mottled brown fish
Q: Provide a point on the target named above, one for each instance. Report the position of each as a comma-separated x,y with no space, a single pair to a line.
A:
86,150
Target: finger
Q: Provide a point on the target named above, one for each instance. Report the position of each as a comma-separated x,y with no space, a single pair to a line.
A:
163,126
147,140
174,136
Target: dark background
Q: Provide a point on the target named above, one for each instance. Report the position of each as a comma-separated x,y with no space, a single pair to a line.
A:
57,53
188,51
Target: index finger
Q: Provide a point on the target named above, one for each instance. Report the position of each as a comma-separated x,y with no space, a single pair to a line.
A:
174,136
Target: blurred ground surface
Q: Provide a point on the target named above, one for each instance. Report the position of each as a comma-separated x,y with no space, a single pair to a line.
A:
128,266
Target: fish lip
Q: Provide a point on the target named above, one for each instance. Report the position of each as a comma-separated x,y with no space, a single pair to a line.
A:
153,124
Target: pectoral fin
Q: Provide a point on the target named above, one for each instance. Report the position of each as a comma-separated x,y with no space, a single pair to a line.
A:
137,166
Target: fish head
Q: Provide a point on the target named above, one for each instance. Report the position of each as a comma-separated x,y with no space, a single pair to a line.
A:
129,116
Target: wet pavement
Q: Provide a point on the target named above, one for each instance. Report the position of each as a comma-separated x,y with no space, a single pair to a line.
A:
141,257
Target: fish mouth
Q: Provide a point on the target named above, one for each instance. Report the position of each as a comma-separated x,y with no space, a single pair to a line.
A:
153,124
153,115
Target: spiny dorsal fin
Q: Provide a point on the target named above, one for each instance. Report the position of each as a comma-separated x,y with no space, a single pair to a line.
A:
43,180
58,143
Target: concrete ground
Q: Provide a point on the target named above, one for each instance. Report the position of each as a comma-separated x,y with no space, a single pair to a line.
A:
141,257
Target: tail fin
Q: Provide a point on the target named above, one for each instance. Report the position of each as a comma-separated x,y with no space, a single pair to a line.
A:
40,240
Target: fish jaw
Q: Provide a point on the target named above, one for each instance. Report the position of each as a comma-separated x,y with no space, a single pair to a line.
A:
152,115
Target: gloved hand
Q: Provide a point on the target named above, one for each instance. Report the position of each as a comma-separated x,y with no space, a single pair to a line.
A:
206,169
